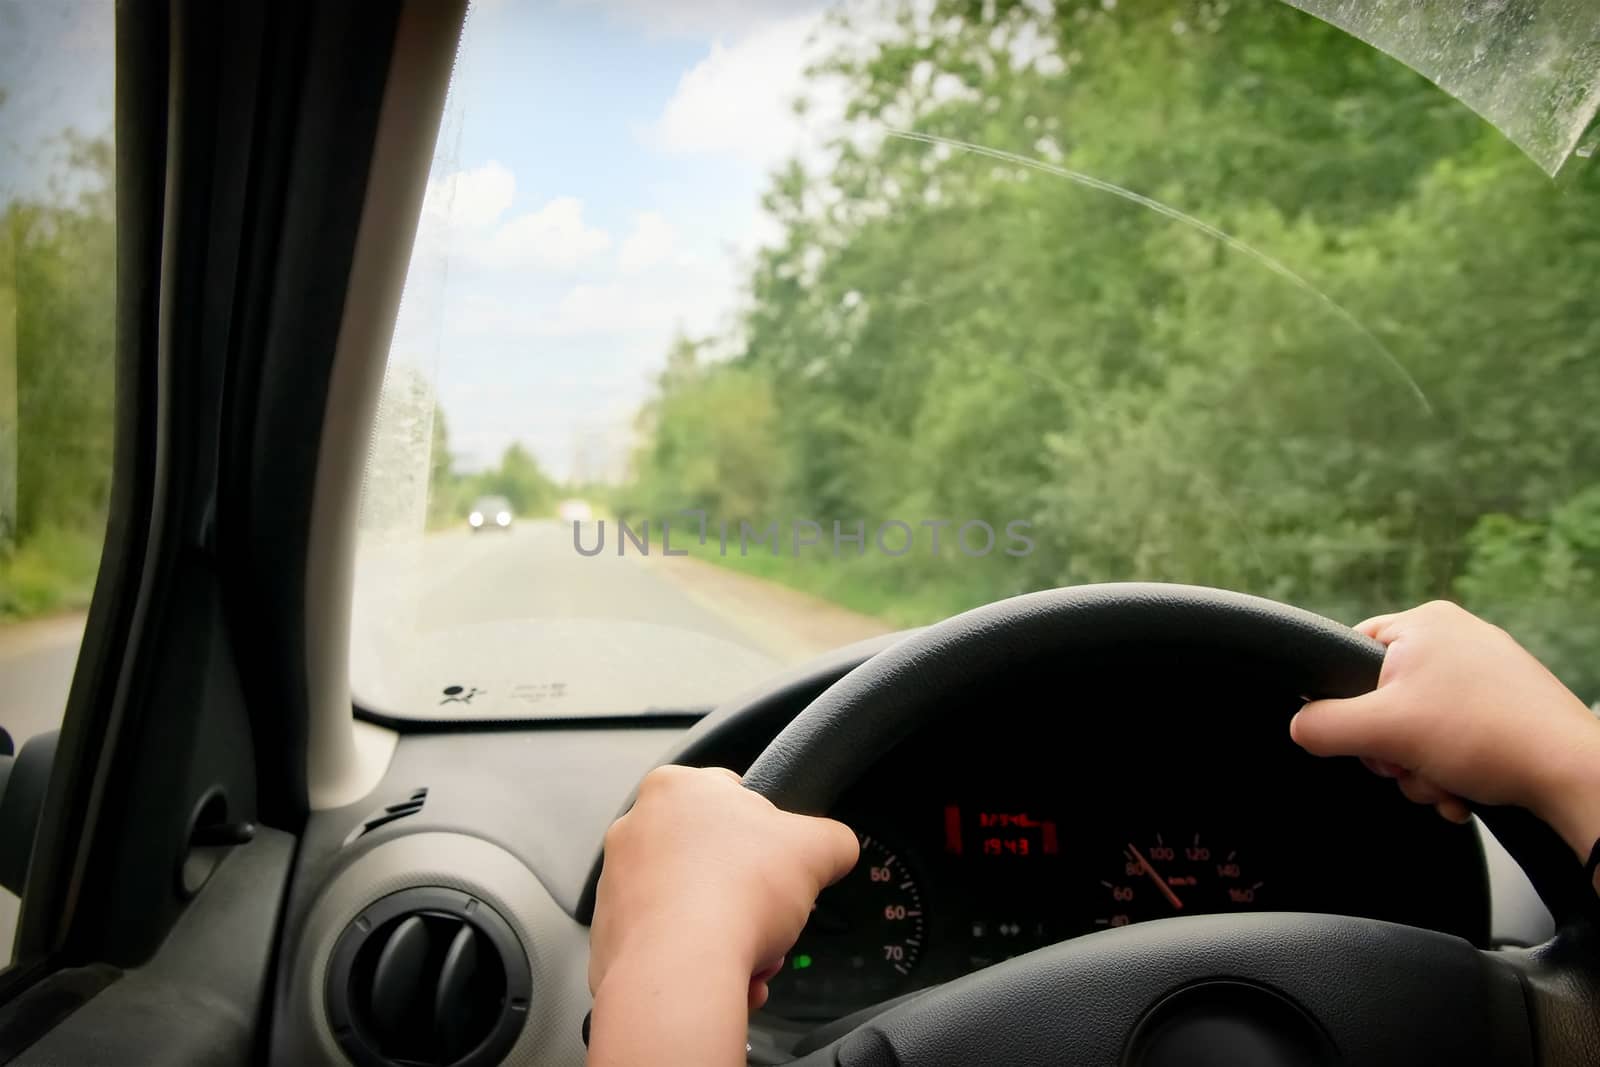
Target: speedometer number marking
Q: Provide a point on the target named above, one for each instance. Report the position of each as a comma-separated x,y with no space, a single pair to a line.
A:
1155,880
863,941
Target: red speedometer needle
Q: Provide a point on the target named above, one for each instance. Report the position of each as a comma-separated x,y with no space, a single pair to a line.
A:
1166,890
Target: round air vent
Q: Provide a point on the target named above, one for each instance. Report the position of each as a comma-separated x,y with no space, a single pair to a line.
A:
427,977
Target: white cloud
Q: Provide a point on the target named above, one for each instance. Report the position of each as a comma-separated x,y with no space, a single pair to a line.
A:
649,244
464,220
737,100
671,298
554,323
470,198
553,238
617,308
700,17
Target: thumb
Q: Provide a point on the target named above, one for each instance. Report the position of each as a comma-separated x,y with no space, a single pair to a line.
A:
828,848
1364,725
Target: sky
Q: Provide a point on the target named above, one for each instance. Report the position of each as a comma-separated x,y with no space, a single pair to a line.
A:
55,74
595,191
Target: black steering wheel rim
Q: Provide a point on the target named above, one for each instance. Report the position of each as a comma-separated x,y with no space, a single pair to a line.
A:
837,738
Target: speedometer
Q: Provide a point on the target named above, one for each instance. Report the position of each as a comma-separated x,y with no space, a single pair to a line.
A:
1183,874
862,943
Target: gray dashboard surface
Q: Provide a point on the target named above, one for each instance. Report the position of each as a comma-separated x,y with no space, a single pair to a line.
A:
199,1000
543,793
546,791
546,795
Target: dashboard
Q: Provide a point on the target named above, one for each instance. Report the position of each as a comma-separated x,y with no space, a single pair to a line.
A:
1047,805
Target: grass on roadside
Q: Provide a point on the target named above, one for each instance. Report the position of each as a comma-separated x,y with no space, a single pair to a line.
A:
903,591
52,571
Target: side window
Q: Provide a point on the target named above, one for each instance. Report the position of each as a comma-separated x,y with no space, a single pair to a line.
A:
57,316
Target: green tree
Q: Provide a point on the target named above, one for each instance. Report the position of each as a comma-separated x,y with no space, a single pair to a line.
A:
1525,574
60,270
1365,377
57,336
521,480
710,440
444,493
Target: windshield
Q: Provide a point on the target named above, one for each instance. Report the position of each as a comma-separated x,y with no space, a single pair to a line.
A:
780,327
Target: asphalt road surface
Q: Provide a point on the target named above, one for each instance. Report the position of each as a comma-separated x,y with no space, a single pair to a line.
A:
526,625
36,662
533,571
700,627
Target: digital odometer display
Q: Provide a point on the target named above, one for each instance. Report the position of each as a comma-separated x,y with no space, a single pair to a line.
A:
862,944
998,833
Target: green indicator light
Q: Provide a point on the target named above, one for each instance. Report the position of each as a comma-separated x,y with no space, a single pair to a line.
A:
801,962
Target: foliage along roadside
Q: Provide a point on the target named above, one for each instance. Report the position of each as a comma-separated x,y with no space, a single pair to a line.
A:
57,332
943,333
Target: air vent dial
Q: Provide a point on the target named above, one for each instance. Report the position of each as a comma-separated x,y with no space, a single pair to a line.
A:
428,977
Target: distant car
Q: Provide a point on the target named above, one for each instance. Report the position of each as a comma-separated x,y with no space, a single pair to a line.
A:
490,513
575,511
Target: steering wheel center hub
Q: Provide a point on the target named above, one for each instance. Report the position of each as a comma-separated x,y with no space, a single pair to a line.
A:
1228,1023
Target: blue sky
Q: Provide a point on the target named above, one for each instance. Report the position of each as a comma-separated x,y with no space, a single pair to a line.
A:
596,189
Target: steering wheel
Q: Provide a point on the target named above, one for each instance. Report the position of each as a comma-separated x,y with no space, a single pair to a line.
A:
1284,989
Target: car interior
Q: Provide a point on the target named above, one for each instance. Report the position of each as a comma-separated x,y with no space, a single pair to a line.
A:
223,856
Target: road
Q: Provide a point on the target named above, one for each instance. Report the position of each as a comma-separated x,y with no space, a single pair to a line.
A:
452,602
36,661
527,625
439,595
533,571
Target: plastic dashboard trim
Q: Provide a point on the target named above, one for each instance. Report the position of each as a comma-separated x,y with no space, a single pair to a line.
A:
556,947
